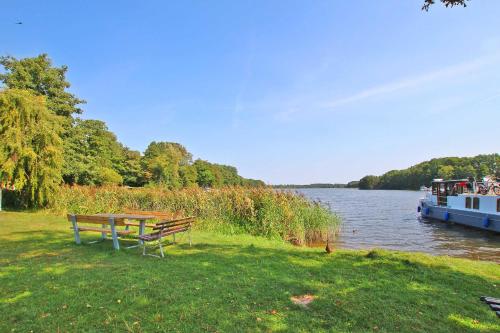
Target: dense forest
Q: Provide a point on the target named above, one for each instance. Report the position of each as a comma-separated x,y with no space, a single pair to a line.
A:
423,173
43,142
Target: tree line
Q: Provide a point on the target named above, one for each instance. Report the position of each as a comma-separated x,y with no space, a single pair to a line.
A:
43,142
423,173
353,184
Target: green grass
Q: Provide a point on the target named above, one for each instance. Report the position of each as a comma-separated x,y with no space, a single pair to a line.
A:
229,284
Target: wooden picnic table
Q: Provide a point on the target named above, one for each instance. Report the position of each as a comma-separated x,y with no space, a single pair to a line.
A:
131,217
169,224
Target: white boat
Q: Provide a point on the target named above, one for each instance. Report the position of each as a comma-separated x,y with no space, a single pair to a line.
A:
464,202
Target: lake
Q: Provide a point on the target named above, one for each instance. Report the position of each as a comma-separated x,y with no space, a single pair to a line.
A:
389,220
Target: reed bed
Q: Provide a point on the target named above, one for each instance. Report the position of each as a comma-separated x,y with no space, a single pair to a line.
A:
257,211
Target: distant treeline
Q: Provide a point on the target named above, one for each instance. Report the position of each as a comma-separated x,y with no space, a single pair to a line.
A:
353,184
423,173
44,144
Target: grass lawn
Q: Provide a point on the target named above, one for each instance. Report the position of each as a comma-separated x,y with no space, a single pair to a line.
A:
229,284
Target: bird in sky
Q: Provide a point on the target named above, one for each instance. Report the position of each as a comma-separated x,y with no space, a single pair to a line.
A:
19,23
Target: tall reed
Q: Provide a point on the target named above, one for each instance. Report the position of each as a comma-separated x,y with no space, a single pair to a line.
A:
258,211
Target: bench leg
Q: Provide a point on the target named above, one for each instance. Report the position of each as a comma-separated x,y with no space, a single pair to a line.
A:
161,247
103,234
116,244
75,229
142,227
162,255
189,235
174,238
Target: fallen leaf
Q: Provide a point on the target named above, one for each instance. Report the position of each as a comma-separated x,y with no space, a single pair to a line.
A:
88,305
303,300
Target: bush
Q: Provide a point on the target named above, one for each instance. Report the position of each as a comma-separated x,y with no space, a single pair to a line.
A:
108,176
257,211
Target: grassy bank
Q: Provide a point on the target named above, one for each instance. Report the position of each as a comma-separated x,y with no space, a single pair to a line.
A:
230,284
232,210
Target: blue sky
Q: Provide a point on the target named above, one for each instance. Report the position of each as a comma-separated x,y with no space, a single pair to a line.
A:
286,91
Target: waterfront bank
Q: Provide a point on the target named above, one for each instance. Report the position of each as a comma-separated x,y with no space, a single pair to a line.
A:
229,283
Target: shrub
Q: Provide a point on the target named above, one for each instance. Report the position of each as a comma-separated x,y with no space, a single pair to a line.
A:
257,211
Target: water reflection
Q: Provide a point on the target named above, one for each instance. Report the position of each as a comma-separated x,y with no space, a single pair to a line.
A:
388,219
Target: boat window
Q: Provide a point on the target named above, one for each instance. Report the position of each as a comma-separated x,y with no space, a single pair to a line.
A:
475,203
498,205
468,202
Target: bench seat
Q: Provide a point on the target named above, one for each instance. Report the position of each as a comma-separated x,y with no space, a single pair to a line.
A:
108,231
157,235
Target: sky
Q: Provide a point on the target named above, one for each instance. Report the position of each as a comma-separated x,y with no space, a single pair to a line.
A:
287,91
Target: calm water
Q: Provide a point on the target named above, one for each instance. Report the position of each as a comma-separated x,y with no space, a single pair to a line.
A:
389,219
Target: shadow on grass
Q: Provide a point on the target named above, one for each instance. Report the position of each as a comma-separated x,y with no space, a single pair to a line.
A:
48,283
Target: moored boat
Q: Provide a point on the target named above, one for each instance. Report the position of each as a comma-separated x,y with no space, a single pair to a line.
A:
463,201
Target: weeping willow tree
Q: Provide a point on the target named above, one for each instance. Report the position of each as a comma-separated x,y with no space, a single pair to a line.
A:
30,147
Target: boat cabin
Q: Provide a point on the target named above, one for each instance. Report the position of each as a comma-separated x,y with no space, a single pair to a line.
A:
462,194
442,189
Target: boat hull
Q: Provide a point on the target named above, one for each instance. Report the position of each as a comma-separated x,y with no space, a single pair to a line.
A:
475,219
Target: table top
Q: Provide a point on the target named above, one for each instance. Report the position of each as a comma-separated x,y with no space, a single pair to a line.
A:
128,216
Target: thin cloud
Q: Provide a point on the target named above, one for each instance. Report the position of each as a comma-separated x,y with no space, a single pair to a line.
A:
411,82
490,98
390,88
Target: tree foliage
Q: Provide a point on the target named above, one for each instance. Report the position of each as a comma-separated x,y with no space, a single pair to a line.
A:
131,169
205,176
41,78
447,3
30,146
42,143
423,173
368,182
219,175
93,156
163,162
353,184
